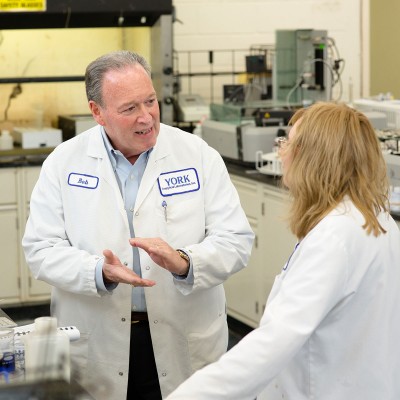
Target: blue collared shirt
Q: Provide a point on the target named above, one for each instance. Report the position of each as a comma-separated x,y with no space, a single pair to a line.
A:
128,177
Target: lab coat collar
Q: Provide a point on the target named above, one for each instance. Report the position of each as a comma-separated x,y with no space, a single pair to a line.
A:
161,150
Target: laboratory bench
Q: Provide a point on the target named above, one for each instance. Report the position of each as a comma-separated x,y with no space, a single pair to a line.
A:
263,199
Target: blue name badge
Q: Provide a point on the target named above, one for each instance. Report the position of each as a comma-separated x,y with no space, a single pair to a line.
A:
178,182
83,180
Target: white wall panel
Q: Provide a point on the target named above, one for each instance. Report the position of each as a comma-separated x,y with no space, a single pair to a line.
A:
231,24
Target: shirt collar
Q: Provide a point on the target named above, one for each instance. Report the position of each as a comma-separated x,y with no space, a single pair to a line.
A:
113,154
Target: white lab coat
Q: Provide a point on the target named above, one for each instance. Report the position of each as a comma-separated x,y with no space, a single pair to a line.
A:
70,224
331,327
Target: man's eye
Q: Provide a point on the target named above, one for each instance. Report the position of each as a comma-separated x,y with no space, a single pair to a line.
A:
129,109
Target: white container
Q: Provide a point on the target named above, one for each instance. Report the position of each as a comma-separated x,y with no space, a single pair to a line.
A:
197,130
47,352
395,199
6,141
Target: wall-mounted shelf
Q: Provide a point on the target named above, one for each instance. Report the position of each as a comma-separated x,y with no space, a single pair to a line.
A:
38,79
89,14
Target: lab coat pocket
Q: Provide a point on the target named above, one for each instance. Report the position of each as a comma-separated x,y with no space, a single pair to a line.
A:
186,210
206,347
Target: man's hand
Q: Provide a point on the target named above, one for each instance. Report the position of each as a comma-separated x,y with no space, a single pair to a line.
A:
162,254
114,271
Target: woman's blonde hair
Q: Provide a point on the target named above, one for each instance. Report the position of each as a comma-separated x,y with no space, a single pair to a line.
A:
335,152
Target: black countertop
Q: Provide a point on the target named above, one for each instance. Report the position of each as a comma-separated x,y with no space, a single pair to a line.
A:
253,174
18,157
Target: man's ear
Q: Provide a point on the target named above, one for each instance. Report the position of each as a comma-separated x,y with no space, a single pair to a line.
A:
96,112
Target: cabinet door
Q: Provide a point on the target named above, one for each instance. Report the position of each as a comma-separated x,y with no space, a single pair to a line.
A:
276,241
8,185
37,290
9,250
243,288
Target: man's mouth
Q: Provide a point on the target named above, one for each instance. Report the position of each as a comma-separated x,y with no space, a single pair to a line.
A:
144,132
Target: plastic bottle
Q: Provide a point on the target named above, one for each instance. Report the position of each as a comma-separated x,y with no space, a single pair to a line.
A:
47,352
197,130
395,199
6,140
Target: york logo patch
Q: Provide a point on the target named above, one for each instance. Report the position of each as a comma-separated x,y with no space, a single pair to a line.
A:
178,182
83,180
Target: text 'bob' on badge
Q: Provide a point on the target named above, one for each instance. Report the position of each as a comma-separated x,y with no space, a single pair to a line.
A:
83,180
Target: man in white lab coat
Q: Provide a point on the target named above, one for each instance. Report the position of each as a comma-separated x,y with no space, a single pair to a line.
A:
136,225
331,326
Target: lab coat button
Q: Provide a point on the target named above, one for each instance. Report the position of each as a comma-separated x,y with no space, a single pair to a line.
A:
121,374
155,321
131,209
147,268
136,213
164,374
123,319
125,263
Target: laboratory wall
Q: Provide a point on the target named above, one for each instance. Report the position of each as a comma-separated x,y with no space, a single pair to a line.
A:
55,53
233,24
221,26
385,57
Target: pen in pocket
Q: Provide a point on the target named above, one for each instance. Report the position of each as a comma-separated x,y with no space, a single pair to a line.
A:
164,204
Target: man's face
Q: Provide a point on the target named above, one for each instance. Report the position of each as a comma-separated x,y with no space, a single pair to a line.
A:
130,113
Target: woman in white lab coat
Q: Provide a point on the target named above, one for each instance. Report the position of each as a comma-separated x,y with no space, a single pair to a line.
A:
331,326
185,201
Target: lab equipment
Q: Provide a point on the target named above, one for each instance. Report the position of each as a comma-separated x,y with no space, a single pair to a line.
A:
7,359
239,142
269,163
393,168
391,108
237,132
302,70
72,125
47,352
20,332
192,108
395,199
35,138
6,140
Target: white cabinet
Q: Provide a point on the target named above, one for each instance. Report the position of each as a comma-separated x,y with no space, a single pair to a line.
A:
242,291
265,208
16,285
10,283
35,290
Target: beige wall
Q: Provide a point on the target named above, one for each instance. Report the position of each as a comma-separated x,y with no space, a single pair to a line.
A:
57,52
384,53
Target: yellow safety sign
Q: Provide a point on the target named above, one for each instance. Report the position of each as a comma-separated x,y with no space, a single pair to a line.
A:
22,5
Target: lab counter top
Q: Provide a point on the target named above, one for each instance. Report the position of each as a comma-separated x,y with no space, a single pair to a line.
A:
18,157
251,173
